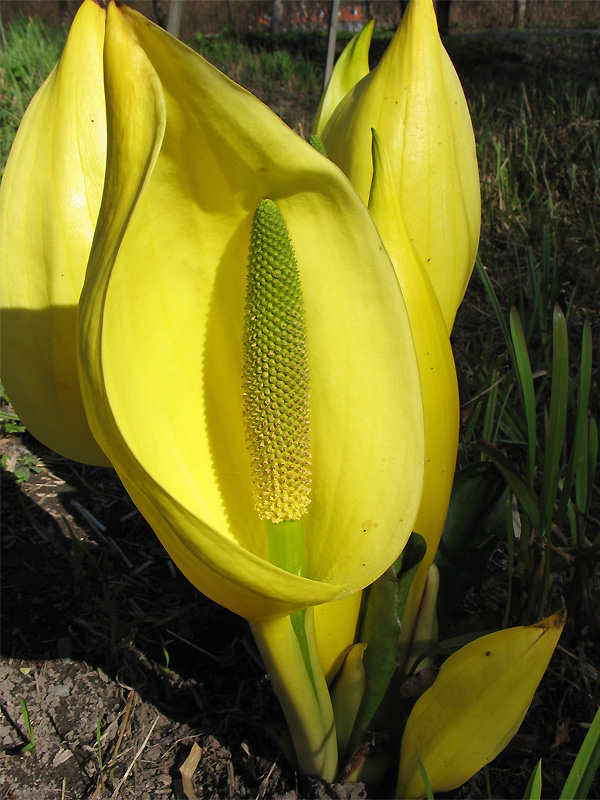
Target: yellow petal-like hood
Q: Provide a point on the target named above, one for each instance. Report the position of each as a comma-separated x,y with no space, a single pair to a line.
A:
415,102
436,368
190,155
350,68
475,706
49,203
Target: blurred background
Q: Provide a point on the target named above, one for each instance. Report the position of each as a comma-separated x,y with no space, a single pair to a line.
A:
248,16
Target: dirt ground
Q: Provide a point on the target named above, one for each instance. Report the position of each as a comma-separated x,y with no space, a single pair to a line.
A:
127,672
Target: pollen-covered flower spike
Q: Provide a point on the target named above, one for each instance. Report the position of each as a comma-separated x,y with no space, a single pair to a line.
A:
276,372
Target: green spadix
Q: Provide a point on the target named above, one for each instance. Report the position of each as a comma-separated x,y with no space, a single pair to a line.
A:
275,372
276,388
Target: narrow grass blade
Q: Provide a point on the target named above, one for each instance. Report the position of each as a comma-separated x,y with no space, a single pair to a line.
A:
426,783
502,414
490,408
30,746
493,297
592,457
583,485
510,547
537,313
555,439
469,432
586,765
526,498
534,787
513,425
488,783
525,379
557,418
577,467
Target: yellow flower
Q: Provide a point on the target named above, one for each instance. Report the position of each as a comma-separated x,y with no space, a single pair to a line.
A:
403,136
415,102
190,157
168,326
49,203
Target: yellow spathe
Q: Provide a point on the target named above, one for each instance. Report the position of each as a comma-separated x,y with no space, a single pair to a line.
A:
415,102
49,203
190,155
436,369
350,68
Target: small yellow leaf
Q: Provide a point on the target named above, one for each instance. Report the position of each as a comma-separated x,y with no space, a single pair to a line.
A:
475,706
348,693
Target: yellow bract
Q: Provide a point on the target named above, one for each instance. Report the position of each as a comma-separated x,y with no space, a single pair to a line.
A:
415,102
190,156
436,370
49,203
347,695
475,706
351,66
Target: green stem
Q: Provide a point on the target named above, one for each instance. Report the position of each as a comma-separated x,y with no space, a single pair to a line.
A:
289,650
288,647
285,544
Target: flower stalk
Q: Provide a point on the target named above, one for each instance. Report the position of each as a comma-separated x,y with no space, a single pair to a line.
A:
300,686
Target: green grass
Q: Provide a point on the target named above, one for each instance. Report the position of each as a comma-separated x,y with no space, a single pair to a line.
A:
527,372
29,51
539,151
264,69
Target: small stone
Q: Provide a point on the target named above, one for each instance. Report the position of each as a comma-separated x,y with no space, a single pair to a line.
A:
64,649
